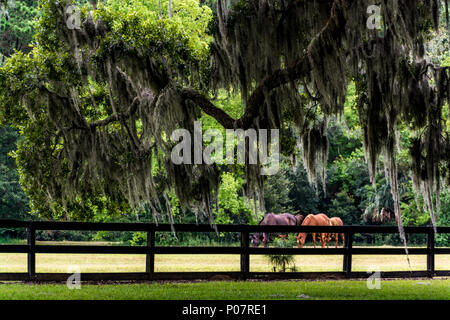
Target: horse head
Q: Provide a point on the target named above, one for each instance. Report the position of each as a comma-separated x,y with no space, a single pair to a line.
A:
301,238
256,239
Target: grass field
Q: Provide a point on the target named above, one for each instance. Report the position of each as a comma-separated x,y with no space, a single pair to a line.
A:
343,289
250,290
13,262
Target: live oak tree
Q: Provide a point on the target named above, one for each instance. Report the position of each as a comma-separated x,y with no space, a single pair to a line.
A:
97,104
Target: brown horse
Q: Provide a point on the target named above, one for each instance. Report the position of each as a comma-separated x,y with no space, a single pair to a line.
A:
336,221
298,221
320,219
271,219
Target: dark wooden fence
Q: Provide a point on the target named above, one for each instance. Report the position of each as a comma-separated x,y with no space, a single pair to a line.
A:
244,250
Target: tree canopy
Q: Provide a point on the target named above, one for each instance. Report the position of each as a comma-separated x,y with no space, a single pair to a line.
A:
97,104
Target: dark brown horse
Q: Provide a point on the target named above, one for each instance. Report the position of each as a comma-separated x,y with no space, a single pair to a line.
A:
320,219
271,219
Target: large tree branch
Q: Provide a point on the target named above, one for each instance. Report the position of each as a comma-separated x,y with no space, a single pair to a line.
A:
208,107
278,78
118,116
297,70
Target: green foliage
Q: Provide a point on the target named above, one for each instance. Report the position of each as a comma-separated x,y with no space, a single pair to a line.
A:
135,26
276,192
444,219
349,186
413,213
189,20
17,26
344,206
13,201
232,204
290,191
139,239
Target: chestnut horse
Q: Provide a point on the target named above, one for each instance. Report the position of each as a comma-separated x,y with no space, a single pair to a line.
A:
275,219
320,219
336,221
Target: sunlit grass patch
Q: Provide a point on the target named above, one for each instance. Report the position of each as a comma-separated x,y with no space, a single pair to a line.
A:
49,263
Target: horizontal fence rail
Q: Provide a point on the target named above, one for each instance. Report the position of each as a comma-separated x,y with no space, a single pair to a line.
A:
244,250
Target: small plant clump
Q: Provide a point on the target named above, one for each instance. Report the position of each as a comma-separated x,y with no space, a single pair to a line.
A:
282,262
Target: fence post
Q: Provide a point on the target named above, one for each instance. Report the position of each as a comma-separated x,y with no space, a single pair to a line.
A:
347,268
245,257
31,242
150,258
430,253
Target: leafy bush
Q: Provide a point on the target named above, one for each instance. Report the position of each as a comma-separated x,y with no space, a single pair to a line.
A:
282,262
139,239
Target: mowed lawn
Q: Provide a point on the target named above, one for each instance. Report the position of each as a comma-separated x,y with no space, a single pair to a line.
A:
16,262
239,290
235,290
171,263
